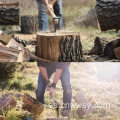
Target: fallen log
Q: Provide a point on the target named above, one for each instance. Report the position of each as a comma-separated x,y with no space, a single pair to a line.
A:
59,46
9,14
32,105
86,105
29,24
99,46
7,102
108,13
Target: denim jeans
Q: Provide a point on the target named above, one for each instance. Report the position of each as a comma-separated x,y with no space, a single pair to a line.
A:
65,80
43,17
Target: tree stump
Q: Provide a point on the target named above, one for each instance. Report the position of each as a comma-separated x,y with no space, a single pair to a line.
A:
59,46
29,24
9,14
32,105
108,13
7,102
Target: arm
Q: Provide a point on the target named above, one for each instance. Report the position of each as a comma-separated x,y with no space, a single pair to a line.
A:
44,74
57,75
55,80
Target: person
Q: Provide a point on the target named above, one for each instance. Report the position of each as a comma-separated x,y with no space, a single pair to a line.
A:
62,72
44,8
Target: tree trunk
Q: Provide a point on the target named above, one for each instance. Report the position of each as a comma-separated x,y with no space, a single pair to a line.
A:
29,24
59,46
32,105
7,102
9,14
108,12
110,47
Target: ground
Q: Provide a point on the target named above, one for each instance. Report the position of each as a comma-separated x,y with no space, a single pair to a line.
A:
83,77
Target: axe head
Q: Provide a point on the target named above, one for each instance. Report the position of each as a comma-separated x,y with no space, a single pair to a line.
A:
56,21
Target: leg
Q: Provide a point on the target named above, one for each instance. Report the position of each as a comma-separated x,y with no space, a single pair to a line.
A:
42,16
67,91
42,86
58,11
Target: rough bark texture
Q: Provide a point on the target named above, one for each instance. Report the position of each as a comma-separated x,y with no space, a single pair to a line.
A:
32,105
108,12
109,49
29,24
9,14
99,46
59,46
7,102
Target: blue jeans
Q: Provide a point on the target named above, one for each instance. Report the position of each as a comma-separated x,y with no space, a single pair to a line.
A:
43,17
65,80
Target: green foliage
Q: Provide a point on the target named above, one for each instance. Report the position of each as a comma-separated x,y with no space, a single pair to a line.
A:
29,86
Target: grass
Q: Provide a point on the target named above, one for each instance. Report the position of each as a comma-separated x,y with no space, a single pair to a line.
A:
83,77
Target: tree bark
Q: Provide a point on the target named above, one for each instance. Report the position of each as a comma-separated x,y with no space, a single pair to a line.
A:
110,47
108,13
29,24
99,46
9,14
59,46
32,105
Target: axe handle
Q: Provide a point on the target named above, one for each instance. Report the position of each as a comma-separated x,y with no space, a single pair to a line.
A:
52,13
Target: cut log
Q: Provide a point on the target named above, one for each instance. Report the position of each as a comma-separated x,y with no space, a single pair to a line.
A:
26,55
7,102
86,105
9,54
32,105
99,46
108,13
9,14
2,117
5,38
59,46
29,24
58,118
109,49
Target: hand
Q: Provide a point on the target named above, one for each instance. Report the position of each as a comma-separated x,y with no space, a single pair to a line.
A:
52,91
49,7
